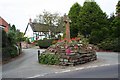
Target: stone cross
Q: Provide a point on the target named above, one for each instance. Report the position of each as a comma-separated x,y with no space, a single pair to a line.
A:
67,25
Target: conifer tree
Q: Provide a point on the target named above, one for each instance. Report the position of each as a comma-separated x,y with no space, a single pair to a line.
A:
73,15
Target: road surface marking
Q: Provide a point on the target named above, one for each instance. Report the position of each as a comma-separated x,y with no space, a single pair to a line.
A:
58,72
34,76
66,71
38,75
94,66
79,68
63,71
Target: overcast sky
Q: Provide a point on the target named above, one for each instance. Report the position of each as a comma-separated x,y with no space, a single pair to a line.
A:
18,12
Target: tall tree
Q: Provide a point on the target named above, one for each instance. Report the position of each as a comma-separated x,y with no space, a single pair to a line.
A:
118,8
112,41
73,15
111,18
116,22
12,35
13,28
20,36
52,20
92,19
15,36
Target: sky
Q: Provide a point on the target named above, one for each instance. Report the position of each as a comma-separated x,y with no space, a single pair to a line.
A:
18,12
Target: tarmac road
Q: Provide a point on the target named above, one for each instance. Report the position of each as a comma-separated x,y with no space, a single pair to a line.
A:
27,66
98,72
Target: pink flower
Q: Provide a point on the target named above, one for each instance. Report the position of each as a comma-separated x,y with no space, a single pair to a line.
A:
68,51
66,46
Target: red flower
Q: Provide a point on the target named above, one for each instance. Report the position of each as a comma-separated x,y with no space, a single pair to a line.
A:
73,39
70,40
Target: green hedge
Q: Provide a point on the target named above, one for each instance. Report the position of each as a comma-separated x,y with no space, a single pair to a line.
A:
14,52
50,59
45,43
110,44
9,52
5,54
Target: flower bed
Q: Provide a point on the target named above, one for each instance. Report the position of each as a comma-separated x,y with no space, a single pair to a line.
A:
74,51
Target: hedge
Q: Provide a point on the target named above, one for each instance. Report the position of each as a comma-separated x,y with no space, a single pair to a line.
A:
45,43
110,44
9,52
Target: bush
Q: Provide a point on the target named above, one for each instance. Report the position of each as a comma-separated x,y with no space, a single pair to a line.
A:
9,52
14,51
50,59
45,43
5,54
110,44
4,39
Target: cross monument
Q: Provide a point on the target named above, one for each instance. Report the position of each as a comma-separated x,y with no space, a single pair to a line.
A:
67,25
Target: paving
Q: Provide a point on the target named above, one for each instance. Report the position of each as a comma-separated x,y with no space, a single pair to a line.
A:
27,66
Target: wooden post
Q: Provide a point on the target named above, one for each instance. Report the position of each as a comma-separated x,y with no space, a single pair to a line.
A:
38,54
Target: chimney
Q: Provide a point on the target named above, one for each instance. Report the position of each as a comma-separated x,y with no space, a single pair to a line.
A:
30,20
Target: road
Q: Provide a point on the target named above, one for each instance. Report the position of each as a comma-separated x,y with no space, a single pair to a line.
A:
98,72
27,66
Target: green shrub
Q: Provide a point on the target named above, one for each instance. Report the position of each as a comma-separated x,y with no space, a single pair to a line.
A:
14,51
4,39
50,59
9,52
110,44
5,53
45,43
